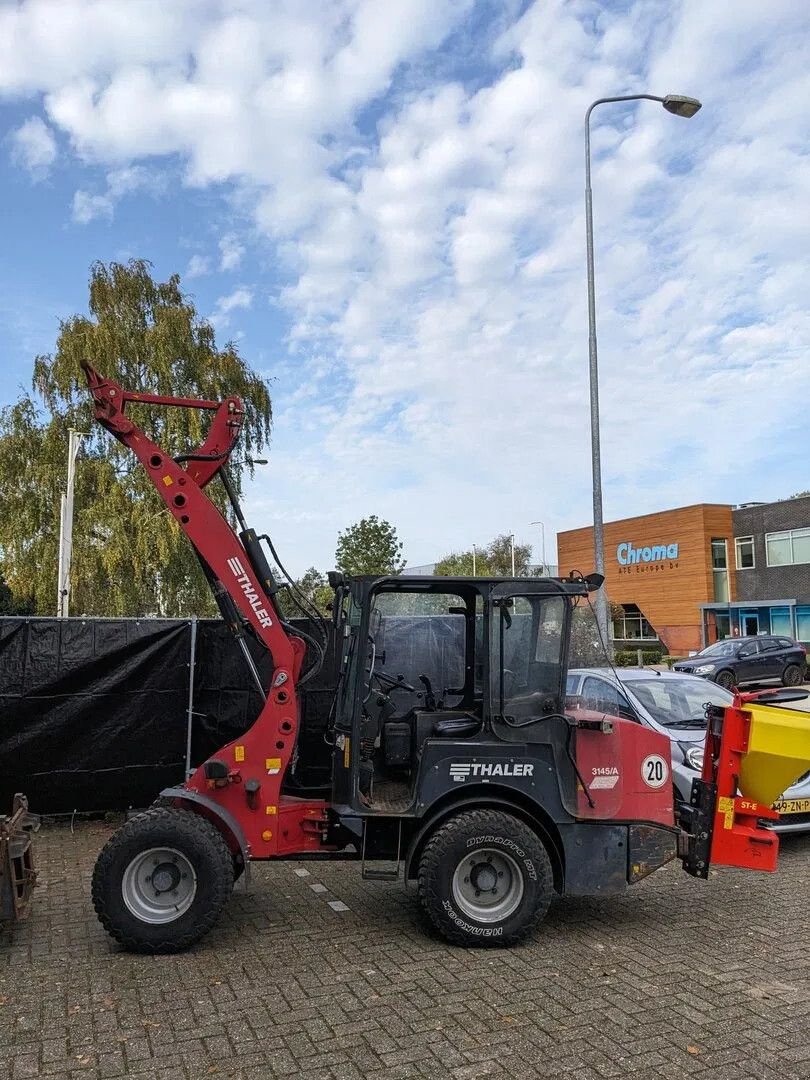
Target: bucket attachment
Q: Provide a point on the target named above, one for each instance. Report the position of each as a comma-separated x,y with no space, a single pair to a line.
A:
755,750
17,874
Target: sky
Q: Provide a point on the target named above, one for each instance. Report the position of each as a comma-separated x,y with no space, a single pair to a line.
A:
383,205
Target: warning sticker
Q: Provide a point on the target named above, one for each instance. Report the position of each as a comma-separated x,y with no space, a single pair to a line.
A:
654,771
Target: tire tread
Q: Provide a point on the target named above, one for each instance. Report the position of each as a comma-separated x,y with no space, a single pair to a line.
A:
438,849
158,817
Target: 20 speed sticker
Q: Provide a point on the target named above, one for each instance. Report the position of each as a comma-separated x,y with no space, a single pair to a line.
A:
654,771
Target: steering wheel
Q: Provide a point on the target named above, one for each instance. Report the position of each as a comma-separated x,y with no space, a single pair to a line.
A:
393,682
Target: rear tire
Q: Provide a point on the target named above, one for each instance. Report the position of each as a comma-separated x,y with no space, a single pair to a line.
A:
792,675
485,878
725,679
162,880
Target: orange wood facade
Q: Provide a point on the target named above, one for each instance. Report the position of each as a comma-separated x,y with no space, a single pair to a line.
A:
667,590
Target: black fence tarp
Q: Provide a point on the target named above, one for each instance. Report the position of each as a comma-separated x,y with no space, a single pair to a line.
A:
93,712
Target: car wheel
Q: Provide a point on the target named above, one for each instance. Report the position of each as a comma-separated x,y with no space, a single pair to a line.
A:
725,679
485,878
792,675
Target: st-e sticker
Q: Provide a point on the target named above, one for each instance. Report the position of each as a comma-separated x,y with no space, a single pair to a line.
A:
654,771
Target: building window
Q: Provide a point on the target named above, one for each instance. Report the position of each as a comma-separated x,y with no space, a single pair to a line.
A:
803,623
632,626
745,552
720,571
788,548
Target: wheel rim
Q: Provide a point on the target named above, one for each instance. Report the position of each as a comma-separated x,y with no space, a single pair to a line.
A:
792,676
159,885
488,885
726,680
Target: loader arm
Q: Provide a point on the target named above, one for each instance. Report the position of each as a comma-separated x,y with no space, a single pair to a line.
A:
241,784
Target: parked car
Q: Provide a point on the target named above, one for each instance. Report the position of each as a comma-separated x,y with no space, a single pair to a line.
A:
674,704
736,661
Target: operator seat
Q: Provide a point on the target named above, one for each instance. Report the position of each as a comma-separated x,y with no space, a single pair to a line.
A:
458,725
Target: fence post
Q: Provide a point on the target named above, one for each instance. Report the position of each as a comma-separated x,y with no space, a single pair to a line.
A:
640,656
190,720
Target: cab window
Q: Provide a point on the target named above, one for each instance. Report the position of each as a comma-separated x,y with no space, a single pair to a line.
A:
602,696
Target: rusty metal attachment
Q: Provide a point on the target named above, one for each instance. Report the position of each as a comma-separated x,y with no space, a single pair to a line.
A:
17,873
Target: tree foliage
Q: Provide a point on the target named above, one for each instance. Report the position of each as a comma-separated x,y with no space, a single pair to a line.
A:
370,546
316,590
12,605
129,555
494,560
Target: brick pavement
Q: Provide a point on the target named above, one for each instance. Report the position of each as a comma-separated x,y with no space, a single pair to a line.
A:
678,978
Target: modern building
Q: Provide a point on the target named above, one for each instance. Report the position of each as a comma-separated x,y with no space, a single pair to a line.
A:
689,576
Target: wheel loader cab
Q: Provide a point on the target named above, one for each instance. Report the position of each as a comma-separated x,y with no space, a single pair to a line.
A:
454,661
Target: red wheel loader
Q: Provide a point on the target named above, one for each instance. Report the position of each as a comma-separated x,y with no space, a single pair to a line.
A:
487,789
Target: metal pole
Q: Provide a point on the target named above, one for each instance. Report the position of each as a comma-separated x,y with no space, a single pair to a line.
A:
513,554
543,542
66,527
192,656
473,560
593,372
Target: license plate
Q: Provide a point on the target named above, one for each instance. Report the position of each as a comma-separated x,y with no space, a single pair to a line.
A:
793,806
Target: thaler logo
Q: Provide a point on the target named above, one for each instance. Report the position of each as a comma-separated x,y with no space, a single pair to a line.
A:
248,588
461,771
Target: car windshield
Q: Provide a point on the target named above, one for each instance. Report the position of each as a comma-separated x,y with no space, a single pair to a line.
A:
720,648
673,702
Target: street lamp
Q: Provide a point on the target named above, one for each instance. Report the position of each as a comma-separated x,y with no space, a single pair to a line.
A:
678,106
542,526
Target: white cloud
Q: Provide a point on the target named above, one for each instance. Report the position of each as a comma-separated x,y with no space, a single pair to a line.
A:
230,253
87,205
198,266
422,192
240,299
33,147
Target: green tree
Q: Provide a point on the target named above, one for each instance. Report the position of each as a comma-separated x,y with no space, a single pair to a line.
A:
316,589
494,560
129,555
370,546
10,605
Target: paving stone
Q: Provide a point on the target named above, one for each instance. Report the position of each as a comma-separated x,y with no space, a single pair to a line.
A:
675,979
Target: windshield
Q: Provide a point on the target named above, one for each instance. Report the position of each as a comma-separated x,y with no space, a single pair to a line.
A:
720,648
673,701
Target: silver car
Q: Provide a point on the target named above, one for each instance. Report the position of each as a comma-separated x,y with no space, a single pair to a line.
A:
674,705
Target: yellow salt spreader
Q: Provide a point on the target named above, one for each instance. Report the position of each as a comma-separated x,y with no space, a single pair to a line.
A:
756,748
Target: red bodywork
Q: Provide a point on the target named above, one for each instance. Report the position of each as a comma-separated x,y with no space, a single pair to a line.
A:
737,838
612,766
272,824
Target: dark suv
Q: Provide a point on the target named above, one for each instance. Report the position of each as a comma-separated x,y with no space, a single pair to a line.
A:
735,661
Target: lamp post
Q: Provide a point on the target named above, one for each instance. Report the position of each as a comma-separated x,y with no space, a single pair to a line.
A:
513,554
678,106
66,527
543,542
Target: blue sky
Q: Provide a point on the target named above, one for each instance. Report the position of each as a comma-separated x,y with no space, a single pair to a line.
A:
382,203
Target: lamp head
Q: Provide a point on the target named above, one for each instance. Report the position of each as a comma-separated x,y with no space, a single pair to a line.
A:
679,105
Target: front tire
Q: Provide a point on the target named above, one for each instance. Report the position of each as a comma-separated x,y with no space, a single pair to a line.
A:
485,878
792,675
726,680
162,880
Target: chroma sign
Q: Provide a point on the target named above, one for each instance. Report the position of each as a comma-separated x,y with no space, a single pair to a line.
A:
627,555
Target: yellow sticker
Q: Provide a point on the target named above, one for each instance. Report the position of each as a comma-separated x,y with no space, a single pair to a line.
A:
167,480
273,765
725,806
239,753
346,752
270,809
